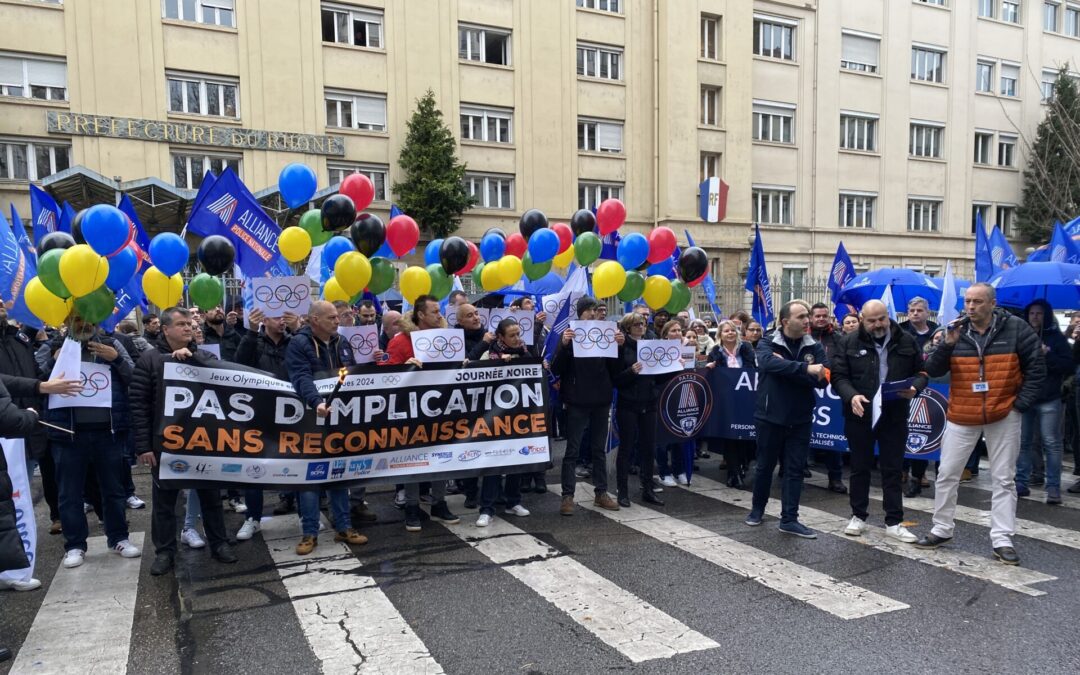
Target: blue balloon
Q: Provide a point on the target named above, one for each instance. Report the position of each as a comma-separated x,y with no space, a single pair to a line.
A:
122,267
169,253
297,184
105,228
664,268
334,249
633,250
492,247
431,252
543,245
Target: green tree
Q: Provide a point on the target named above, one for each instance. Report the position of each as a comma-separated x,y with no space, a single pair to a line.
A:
1052,177
433,191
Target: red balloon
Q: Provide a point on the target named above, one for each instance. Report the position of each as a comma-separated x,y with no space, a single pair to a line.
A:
358,188
610,216
698,281
662,243
566,235
474,257
516,245
402,233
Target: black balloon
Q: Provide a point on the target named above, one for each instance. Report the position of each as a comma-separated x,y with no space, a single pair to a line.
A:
338,212
531,221
367,233
583,221
76,227
54,240
454,254
494,230
217,254
692,264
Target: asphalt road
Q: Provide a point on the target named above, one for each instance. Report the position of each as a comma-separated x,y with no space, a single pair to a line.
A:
686,588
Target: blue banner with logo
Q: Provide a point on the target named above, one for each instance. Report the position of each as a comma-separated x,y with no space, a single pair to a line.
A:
228,208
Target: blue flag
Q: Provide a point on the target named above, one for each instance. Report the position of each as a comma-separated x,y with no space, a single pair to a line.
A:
67,216
17,268
24,241
204,187
708,286
576,286
1001,251
757,282
44,212
984,260
840,274
229,209
1062,247
1072,228
610,246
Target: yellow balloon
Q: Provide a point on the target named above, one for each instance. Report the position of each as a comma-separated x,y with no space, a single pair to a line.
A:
161,290
565,258
294,243
510,270
491,276
657,291
415,281
608,279
353,272
332,291
48,307
82,270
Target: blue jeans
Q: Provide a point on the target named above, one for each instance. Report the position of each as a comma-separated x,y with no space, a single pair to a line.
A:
309,510
774,441
1048,416
72,457
192,510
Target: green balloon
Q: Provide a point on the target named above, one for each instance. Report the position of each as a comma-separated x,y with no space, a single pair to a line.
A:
587,248
48,270
382,275
441,283
632,289
206,291
476,272
312,223
533,270
97,306
680,297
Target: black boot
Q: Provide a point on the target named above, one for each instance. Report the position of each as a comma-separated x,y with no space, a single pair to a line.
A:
649,497
5,654
734,480
914,488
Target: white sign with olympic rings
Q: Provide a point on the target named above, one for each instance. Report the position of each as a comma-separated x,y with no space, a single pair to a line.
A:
439,345
595,339
364,341
525,318
96,389
659,356
278,295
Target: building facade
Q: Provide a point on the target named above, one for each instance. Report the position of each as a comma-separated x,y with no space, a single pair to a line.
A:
883,123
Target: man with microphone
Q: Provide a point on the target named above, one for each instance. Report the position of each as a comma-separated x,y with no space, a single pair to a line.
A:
862,362
997,368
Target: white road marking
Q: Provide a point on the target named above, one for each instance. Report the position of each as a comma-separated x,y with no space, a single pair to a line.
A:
1038,494
979,567
349,622
631,626
822,591
85,622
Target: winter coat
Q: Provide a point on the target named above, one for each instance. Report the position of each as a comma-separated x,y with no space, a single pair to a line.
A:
259,351
856,368
229,341
144,389
1058,354
117,418
923,339
634,388
1012,364
745,350
584,382
18,364
785,394
14,423
828,338
307,356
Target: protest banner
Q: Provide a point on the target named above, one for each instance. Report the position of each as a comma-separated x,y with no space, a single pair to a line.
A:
223,423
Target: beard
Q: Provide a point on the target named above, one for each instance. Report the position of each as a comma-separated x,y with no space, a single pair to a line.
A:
215,320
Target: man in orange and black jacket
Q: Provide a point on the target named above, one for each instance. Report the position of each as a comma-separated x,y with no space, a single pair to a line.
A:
997,367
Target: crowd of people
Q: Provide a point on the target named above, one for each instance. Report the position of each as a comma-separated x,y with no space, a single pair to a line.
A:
1012,397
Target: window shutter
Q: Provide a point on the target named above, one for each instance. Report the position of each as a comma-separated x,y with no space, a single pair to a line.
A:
609,136
370,110
48,73
860,49
11,71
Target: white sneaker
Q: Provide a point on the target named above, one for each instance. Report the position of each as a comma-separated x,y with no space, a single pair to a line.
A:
126,549
667,481
855,527
191,538
682,479
900,533
399,499
74,557
19,585
237,505
484,520
518,510
248,529
134,502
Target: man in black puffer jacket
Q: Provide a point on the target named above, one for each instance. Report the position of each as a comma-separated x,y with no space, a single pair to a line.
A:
586,389
175,341
635,412
478,339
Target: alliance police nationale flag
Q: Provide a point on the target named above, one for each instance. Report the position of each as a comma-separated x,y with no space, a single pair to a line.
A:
757,282
984,259
228,208
840,274
17,268
44,212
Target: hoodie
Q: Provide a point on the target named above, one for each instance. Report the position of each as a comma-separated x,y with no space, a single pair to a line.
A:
1056,352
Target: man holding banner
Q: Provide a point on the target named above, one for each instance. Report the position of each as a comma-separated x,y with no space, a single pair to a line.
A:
876,371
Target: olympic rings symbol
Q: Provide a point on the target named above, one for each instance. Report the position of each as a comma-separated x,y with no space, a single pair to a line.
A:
594,338
660,356
391,379
552,306
187,371
364,345
443,346
282,296
93,385
526,323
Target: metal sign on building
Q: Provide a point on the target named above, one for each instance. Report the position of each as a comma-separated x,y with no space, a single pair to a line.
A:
713,204
193,134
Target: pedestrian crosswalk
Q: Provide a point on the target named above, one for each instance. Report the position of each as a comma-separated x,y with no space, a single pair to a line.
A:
353,622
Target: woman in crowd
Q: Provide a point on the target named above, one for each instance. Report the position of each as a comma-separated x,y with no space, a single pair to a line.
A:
669,457
705,343
850,323
635,414
508,345
753,333
733,352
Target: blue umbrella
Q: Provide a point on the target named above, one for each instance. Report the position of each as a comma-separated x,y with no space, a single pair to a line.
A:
1057,283
906,286
961,287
